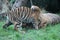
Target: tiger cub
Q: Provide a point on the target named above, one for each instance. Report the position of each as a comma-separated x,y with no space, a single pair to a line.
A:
49,18
46,18
22,15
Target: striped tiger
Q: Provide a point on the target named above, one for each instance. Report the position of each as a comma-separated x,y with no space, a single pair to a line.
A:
22,15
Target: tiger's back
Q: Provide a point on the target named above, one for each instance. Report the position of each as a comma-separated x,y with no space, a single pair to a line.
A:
19,14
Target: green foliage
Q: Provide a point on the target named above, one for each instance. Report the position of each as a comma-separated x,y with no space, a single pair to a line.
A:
48,33
2,18
12,1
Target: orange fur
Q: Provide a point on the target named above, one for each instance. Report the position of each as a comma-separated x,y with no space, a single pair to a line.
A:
45,18
48,18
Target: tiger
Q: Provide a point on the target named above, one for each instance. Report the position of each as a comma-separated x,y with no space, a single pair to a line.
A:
46,18
22,15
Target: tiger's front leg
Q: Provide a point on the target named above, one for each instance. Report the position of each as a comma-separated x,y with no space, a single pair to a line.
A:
8,23
43,24
17,26
35,24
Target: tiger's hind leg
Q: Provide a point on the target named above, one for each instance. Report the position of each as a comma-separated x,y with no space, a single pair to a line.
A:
8,23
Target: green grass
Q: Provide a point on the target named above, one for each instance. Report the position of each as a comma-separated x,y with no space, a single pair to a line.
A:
48,33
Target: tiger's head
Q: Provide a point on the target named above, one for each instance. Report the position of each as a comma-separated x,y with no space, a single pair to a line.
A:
35,8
